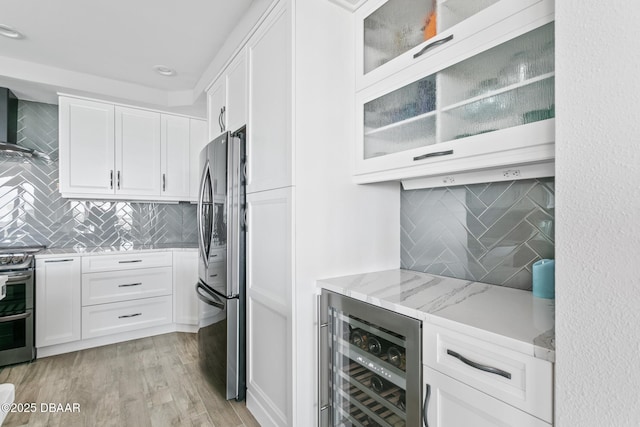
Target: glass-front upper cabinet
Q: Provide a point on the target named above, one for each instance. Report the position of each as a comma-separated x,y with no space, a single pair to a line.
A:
492,108
393,34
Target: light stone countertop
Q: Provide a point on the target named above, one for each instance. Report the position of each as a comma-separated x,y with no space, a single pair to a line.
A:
110,250
504,316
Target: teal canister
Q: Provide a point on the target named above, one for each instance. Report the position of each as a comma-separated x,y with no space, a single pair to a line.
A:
544,278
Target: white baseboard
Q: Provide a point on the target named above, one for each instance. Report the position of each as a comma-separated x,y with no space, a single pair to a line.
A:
112,339
259,412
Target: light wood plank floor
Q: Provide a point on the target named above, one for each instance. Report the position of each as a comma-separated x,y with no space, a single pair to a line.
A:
152,381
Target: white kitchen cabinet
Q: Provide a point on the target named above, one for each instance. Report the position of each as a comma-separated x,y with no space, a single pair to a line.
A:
175,159
111,151
236,112
394,34
87,151
108,319
125,285
197,141
125,292
58,302
137,141
520,383
484,103
269,149
269,303
227,98
185,277
451,403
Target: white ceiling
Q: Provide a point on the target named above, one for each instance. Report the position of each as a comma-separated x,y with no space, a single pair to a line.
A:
88,47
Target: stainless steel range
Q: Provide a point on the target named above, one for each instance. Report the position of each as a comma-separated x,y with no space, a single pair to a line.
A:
17,307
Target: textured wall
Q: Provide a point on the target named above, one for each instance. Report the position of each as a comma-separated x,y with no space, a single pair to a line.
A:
33,213
491,233
598,199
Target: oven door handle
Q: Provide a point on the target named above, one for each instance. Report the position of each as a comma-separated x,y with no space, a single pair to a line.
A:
18,277
14,317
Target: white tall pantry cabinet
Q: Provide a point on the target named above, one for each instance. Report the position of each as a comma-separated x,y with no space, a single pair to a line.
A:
306,219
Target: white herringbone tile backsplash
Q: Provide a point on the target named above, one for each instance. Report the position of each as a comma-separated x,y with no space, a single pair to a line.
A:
491,232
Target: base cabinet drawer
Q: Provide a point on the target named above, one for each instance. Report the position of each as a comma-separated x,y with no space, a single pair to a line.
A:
126,261
115,286
450,403
518,379
106,319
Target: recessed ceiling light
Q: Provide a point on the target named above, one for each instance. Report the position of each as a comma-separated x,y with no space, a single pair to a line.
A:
164,70
9,32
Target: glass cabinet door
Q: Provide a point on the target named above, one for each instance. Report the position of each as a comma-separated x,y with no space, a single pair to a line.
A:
509,85
369,374
400,25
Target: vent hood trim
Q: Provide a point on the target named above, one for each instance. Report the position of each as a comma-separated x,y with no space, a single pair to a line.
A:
13,150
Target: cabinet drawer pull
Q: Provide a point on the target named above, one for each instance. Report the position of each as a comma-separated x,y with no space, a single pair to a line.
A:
124,316
129,284
58,260
434,44
129,262
435,154
213,275
484,368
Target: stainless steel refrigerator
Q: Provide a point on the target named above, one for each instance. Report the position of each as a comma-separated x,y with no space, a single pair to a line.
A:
221,270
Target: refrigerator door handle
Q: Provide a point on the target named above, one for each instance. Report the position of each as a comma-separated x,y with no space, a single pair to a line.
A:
208,297
205,256
233,217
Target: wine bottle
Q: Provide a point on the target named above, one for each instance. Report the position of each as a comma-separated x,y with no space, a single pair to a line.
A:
379,384
396,357
377,346
402,401
359,338
346,331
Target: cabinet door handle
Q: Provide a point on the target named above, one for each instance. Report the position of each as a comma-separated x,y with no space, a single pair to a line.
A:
164,182
434,44
58,260
435,154
224,110
425,407
129,284
220,120
118,179
485,368
124,316
111,179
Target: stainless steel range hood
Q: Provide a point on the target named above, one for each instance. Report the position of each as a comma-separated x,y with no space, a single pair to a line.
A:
9,129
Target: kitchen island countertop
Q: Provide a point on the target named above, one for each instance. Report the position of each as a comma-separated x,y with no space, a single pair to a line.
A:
508,317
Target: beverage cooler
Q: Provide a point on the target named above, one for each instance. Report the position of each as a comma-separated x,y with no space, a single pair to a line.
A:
369,365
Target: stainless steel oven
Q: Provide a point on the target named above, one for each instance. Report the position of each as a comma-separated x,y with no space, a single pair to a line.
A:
17,307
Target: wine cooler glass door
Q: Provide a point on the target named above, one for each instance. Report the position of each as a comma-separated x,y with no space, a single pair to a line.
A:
374,366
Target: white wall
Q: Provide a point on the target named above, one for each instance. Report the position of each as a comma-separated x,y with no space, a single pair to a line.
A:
597,216
341,228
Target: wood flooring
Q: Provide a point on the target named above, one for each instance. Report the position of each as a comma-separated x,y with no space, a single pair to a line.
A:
153,381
